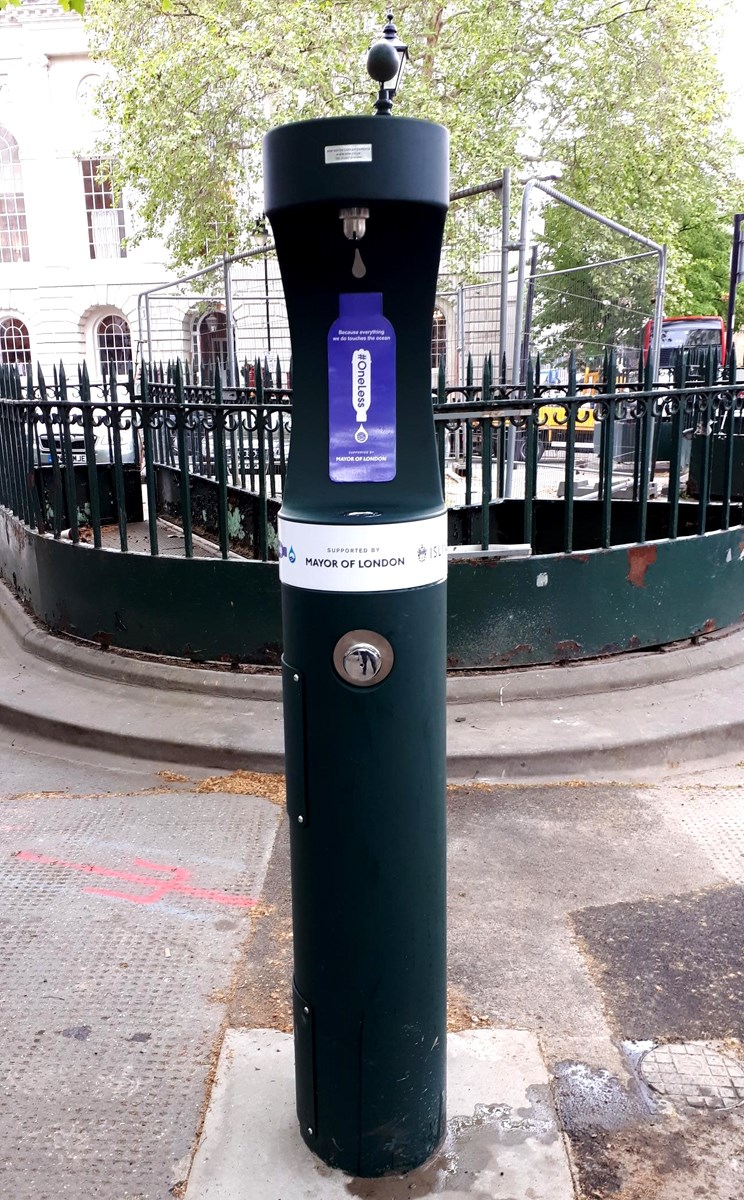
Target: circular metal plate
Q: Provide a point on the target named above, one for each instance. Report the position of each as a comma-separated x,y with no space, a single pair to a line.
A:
362,657
694,1074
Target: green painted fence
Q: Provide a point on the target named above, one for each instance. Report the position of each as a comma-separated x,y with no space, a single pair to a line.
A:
646,552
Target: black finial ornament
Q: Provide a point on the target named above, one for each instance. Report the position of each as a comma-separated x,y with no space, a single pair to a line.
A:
385,65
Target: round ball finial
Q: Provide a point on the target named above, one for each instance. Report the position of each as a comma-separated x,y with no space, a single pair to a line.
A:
382,61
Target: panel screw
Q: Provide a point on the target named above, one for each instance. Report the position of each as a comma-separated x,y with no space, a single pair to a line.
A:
296,678
301,820
306,1011
309,1129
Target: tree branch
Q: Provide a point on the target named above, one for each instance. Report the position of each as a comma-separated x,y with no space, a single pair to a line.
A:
432,39
633,12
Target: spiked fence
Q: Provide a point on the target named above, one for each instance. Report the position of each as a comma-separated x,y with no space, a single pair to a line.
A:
649,461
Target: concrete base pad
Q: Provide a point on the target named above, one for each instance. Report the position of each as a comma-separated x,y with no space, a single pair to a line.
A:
503,1140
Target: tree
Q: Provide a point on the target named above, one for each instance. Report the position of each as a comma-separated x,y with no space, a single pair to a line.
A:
611,95
643,137
195,88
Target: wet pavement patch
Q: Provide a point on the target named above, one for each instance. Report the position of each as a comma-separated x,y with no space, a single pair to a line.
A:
629,1143
671,968
594,1106
590,1098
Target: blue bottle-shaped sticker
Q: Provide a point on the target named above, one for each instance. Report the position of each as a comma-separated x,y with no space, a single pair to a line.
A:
361,392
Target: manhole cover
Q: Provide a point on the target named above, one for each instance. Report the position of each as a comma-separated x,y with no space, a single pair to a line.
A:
693,1073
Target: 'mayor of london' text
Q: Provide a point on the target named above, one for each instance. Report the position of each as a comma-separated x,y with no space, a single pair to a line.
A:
330,564
361,458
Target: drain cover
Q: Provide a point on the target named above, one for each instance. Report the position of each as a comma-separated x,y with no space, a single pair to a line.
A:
695,1074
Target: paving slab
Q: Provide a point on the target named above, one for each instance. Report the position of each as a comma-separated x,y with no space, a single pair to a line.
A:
502,1143
122,919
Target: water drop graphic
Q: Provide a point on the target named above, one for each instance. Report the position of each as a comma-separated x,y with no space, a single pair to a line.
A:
292,556
360,435
358,269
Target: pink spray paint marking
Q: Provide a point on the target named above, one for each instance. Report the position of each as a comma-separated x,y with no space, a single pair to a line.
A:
176,883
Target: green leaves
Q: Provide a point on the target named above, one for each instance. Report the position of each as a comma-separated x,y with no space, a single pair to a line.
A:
621,101
642,136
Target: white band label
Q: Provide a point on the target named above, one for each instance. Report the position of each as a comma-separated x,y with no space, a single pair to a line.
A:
350,153
363,558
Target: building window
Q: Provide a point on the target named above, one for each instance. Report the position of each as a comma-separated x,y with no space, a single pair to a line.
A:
438,338
209,340
114,345
15,345
105,217
13,231
86,92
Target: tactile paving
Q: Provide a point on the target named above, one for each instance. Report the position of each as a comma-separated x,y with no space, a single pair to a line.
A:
714,818
111,1004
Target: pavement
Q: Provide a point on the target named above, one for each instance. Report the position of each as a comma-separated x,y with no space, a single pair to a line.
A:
146,951
603,920
596,983
614,718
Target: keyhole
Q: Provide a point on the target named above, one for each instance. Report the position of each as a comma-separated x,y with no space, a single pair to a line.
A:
358,269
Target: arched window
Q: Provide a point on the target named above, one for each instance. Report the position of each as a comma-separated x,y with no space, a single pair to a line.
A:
86,92
13,230
114,345
15,345
209,340
438,337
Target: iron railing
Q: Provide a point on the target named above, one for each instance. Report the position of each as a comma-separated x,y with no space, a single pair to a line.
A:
635,441
92,462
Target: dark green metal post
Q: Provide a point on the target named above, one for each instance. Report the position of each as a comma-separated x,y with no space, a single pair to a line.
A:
357,206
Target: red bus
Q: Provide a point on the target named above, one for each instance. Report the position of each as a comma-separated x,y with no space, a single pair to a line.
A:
686,333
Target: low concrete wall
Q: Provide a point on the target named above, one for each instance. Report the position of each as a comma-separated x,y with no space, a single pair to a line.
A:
508,612
243,511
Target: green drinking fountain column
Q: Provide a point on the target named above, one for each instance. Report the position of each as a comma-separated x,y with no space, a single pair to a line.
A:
357,206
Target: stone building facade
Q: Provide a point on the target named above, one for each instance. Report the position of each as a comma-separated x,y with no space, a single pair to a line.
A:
72,288
68,282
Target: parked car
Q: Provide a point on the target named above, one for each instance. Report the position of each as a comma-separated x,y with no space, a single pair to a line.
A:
102,438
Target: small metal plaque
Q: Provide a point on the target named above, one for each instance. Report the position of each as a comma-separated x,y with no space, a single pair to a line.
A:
350,153
362,657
